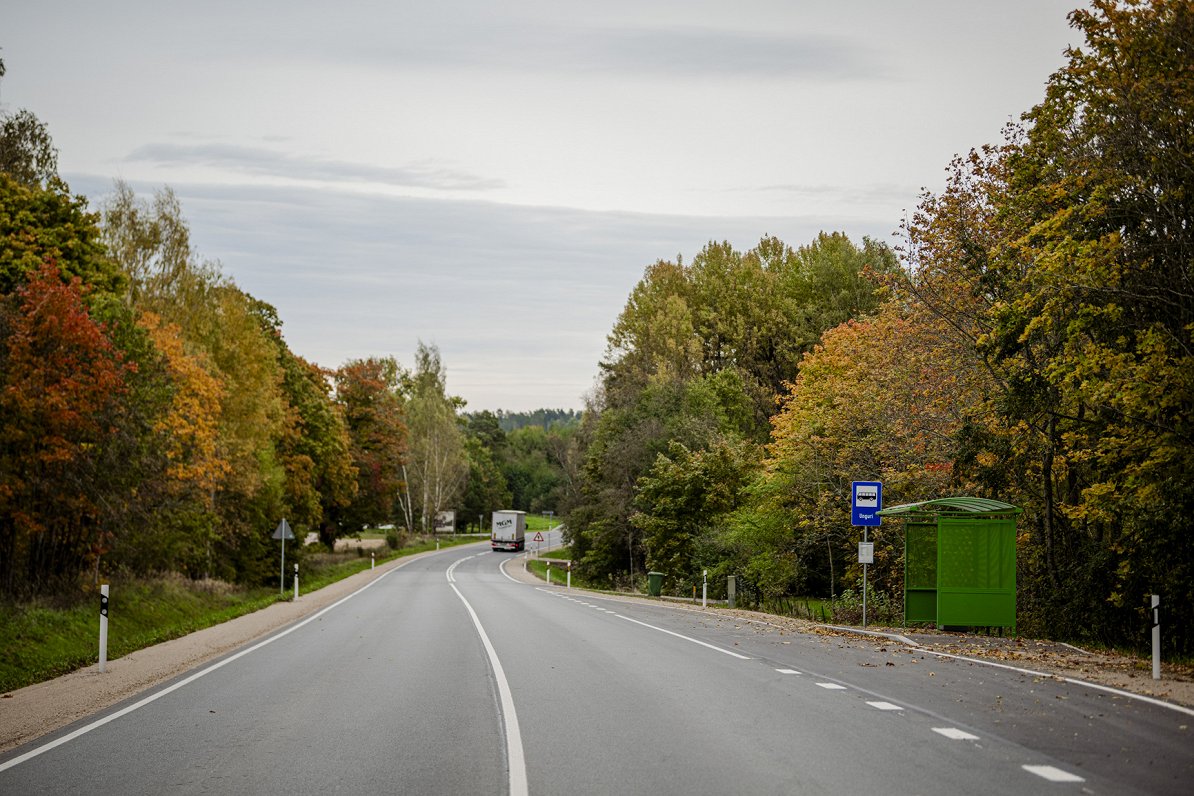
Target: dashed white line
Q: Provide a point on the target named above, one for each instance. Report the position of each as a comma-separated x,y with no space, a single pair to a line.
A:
1053,773
884,706
954,734
832,686
787,671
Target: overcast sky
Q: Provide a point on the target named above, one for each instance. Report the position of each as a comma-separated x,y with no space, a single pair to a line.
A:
493,177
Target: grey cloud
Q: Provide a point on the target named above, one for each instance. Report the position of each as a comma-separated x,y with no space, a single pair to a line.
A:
887,194
268,162
519,299
680,52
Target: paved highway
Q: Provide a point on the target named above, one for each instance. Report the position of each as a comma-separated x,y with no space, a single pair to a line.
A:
448,676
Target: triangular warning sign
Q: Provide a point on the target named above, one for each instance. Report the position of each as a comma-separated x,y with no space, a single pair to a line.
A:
538,537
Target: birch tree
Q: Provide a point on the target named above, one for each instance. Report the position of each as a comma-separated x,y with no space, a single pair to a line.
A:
436,467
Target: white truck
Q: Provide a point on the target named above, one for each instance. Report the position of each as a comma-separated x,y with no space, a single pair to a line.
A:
509,530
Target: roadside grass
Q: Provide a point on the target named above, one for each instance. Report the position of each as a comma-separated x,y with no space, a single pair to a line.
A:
559,575
47,638
541,522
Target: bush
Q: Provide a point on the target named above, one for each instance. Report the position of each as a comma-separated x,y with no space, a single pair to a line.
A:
880,608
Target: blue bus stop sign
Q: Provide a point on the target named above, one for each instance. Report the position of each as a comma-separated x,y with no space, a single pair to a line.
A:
866,499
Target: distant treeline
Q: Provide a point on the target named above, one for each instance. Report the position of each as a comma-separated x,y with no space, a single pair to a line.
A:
544,418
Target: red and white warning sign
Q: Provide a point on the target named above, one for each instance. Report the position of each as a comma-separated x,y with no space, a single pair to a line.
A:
538,537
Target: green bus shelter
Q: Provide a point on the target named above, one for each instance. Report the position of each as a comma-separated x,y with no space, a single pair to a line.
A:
959,561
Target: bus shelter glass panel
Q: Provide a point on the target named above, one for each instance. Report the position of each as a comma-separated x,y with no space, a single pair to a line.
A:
920,573
976,572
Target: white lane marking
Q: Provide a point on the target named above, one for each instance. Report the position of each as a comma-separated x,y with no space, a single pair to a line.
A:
1125,694
686,638
832,686
172,688
514,754
954,734
502,569
787,671
884,706
1053,774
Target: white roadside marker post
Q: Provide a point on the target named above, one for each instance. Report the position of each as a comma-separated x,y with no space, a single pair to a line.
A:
548,573
570,574
296,581
1156,606
704,589
372,561
103,640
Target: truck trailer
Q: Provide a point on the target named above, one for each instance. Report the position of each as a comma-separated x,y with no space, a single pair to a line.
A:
509,530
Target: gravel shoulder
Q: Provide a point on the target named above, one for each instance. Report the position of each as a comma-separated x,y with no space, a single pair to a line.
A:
28,713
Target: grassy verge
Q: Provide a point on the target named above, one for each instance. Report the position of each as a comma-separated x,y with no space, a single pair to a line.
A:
45,639
559,575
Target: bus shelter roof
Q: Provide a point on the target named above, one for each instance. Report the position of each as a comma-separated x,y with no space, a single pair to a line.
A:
967,506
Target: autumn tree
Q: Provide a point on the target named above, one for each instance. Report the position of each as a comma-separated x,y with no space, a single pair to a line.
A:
369,394
1065,256
221,327
60,404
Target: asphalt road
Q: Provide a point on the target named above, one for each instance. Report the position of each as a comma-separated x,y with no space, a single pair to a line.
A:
447,676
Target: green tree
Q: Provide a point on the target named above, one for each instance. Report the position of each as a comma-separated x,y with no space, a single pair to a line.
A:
486,490
685,498
702,351
27,152
39,225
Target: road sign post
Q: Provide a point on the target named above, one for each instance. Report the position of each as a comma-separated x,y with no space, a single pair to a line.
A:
283,532
866,499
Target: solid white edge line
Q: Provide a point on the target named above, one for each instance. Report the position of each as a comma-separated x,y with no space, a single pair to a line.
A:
1127,694
187,681
514,753
502,569
686,638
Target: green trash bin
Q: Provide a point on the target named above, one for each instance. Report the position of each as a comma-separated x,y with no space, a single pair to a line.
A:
655,583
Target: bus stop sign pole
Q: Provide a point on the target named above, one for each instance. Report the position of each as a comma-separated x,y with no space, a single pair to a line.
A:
866,499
